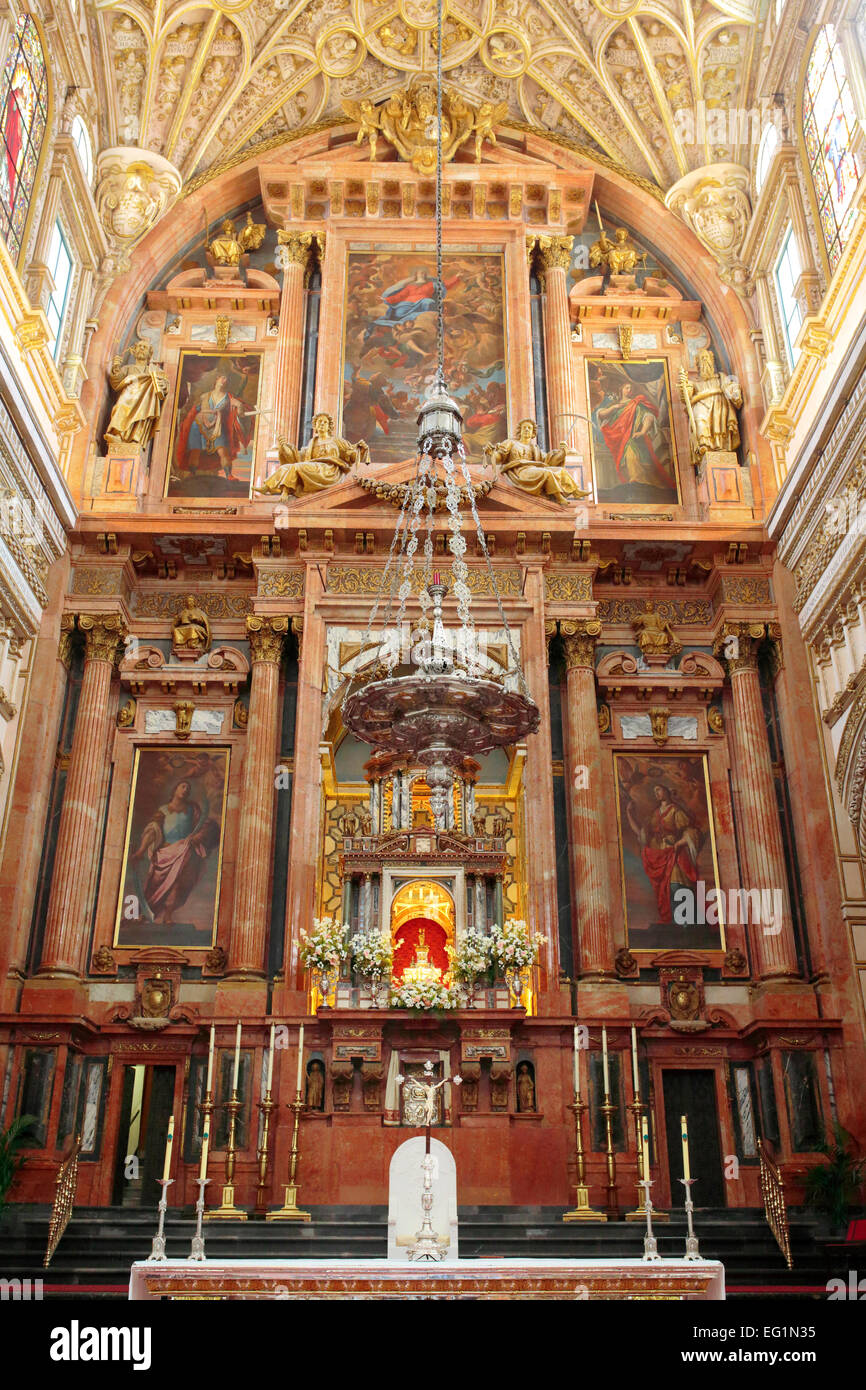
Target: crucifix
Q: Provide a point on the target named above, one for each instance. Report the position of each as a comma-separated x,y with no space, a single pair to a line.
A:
427,1246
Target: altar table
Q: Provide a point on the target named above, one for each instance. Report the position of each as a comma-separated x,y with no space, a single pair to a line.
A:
473,1279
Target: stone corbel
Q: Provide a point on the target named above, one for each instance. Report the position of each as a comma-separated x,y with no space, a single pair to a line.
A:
471,1074
500,1084
342,1073
372,1074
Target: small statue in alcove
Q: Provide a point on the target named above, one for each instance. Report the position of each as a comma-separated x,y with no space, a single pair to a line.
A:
315,1098
525,1087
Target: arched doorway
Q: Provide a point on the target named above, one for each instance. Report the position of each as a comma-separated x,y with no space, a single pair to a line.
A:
422,927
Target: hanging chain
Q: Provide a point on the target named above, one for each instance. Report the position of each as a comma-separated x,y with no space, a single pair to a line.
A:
440,310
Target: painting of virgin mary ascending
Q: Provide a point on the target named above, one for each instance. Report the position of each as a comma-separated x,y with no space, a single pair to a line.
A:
171,867
390,347
632,443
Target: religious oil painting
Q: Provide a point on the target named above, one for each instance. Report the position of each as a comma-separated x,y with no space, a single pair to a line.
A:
216,411
390,347
173,850
631,432
668,852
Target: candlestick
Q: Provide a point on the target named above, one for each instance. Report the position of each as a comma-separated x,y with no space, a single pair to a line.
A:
300,1060
227,1211
157,1248
169,1144
638,1213
650,1245
270,1075
196,1249
612,1194
692,1251
266,1106
604,1061
237,1057
289,1210
582,1211
209,1085
634,1067
576,1064
685,1137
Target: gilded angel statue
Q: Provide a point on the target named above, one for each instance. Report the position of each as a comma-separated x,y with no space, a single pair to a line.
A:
488,116
365,113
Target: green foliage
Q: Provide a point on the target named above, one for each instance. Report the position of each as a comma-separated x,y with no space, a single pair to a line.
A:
833,1187
12,1143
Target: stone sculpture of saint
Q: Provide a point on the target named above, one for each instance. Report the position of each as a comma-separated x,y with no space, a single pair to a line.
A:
321,463
525,1088
712,403
531,470
142,388
619,254
655,636
229,246
315,1086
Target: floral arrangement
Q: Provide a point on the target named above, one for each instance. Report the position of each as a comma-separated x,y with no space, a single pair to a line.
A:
512,947
471,957
431,995
372,954
324,947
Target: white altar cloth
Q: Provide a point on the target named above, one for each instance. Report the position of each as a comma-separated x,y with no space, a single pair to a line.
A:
383,1279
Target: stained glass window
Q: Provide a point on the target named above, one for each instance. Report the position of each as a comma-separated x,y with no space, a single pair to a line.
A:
23,114
766,150
828,121
788,271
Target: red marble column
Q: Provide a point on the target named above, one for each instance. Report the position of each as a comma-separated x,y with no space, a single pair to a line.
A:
305,826
538,781
589,870
555,257
761,834
256,818
293,253
74,881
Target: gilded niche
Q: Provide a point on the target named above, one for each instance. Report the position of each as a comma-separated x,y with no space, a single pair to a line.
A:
408,119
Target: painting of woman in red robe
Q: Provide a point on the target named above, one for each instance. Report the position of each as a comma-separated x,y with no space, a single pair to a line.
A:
631,431
667,848
171,871
215,426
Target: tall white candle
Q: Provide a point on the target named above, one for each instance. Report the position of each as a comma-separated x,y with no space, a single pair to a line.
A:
237,1058
300,1060
634,1069
687,1172
645,1147
210,1060
169,1142
604,1061
270,1061
205,1145
576,1063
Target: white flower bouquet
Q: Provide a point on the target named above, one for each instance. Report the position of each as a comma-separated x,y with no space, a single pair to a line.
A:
372,954
512,947
325,946
431,995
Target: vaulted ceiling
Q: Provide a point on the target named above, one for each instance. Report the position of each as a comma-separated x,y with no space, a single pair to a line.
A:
199,81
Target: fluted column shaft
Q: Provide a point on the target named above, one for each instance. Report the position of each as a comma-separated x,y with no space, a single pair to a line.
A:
294,250
775,952
73,883
555,257
589,872
256,819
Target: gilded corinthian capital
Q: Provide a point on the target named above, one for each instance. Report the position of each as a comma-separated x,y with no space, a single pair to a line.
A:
737,645
554,252
266,637
104,635
296,248
579,636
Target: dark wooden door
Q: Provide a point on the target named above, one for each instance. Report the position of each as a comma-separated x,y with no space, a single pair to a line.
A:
136,1184
693,1094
